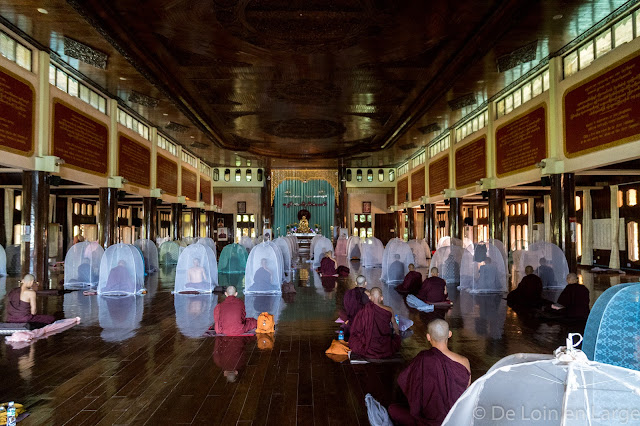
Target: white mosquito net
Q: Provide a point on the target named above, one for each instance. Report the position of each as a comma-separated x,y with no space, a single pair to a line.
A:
161,240
503,251
372,250
548,262
82,264
314,241
169,252
279,257
189,240
255,304
483,314
246,242
209,243
197,270
396,258
482,269
3,262
119,317
149,253
322,246
419,254
611,333
285,249
76,304
293,245
233,259
448,259
353,248
262,273
121,271
14,261
341,245
194,313
549,392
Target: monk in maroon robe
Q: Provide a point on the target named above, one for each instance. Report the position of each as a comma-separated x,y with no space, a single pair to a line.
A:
434,289
230,316
573,302
412,282
528,294
374,332
354,300
328,265
432,382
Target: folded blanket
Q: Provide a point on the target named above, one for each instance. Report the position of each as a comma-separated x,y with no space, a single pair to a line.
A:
418,304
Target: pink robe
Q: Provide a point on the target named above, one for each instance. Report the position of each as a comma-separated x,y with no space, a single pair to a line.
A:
371,333
231,319
432,383
411,284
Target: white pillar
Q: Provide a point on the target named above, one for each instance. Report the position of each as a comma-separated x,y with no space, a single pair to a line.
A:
614,260
587,229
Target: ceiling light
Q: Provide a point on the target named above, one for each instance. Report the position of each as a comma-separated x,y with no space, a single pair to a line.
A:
123,78
193,137
480,81
556,17
165,114
43,11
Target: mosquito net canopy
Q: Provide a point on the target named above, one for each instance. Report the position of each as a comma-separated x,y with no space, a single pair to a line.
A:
503,251
246,242
209,243
121,271
341,244
149,253
353,248
194,313
293,244
76,304
82,264
548,262
314,241
611,334
255,304
197,270
169,252
285,249
419,253
263,273
372,250
119,317
448,259
482,269
396,258
14,263
279,257
187,241
549,392
3,262
233,259
323,245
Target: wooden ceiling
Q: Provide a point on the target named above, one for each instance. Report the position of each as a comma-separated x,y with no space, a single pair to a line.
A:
309,83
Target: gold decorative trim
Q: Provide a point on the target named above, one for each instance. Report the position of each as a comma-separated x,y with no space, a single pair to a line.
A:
280,175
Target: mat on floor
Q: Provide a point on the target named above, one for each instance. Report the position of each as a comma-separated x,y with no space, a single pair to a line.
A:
357,359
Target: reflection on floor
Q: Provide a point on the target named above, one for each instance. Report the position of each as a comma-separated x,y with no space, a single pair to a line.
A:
140,359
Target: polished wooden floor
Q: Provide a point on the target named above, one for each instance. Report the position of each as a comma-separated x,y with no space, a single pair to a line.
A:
143,362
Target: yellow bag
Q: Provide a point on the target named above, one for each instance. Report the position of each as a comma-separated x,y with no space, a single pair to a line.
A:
3,414
266,324
265,341
338,347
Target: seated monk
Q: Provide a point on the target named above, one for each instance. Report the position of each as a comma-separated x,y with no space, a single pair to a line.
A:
84,272
432,382
262,278
395,271
355,299
374,332
573,302
230,316
546,274
434,289
196,275
528,294
21,303
412,282
328,265
119,279
488,276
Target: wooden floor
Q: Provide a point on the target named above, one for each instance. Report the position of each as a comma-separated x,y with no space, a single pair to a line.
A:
142,362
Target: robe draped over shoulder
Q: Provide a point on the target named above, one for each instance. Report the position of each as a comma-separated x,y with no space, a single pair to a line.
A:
528,293
432,290
411,284
327,266
371,333
354,300
575,299
231,318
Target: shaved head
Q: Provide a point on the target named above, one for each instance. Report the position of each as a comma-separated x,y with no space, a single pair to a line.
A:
231,291
28,278
361,281
528,270
438,330
376,295
434,272
411,267
572,278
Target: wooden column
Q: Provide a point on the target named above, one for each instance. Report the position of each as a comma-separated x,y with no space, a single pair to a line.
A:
34,247
430,226
108,216
265,203
176,221
342,199
456,222
149,218
497,205
411,223
195,222
211,224
563,215
587,229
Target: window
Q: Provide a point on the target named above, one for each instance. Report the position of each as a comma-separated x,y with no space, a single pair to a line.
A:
130,122
248,163
439,145
623,31
620,199
380,175
349,175
238,162
260,175
578,203
369,175
14,51
522,93
525,237
418,159
404,169
227,175
632,241
189,159
205,169
216,175
392,175
359,175
512,234
525,208
513,209
632,197
519,209
519,237
70,85
578,239
248,175
167,145
238,175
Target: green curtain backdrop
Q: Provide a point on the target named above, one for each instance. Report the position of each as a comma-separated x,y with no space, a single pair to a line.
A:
298,192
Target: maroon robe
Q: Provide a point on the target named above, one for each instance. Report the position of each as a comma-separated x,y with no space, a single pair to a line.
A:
353,301
19,311
371,333
327,266
432,383
575,299
528,293
432,290
231,319
411,284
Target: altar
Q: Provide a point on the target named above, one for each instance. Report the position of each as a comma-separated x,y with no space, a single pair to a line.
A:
304,241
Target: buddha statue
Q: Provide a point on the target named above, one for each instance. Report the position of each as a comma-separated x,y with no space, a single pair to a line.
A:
303,226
